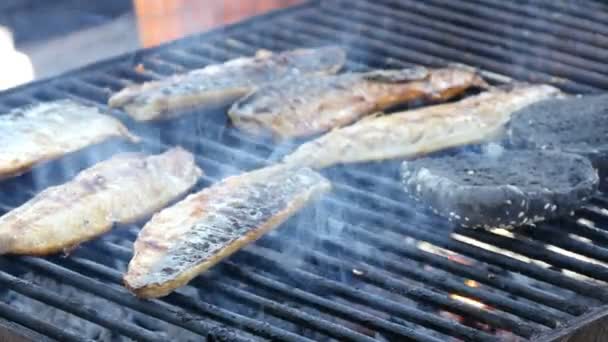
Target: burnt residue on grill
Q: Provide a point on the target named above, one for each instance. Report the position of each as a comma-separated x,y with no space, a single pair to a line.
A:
361,265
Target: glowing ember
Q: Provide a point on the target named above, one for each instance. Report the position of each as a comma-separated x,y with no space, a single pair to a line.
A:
471,283
459,259
468,301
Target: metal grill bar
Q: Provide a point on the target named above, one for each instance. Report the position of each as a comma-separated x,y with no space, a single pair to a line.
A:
508,33
456,286
423,232
387,243
483,43
369,274
119,295
124,252
408,313
334,308
538,251
77,308
595,213
187,60
206,309
271,264
593,10
597,235
555,236
538,25
103,81
35,324
340,26
543,20
294,315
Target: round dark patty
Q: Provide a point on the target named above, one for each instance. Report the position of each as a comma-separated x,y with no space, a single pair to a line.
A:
504,190
577,125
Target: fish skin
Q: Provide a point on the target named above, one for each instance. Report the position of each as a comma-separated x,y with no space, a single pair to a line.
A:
302,106
45,131
121,189
417,132
184,240
221,84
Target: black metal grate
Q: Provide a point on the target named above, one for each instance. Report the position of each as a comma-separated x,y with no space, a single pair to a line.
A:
362,265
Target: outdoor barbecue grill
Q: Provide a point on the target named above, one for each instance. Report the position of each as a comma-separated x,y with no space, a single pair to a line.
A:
363,264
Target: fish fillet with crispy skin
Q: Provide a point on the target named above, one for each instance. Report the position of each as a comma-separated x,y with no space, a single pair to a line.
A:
188,238
121,189
301,106
418,132
42,132
221,84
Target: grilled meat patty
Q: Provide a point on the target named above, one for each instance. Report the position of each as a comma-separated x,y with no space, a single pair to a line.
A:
578,125
418,132
222,84
121,189
34,134
301,106
188,238
501,190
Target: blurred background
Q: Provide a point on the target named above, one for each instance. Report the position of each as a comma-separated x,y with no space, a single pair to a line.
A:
42,38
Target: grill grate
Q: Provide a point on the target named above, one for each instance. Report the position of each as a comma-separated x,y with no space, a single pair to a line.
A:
362,265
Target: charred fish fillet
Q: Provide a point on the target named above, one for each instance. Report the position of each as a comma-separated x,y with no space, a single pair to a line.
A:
34,134
188,238
221,84
301,106
121,189
418,132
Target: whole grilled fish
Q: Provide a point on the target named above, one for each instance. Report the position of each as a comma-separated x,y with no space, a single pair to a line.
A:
34,134
188,238
121,189
222,84
417,132
302,106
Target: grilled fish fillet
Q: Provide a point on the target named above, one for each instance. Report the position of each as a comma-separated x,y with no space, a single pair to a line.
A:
417,132
302,106
188,238
34,134
121,189
222,84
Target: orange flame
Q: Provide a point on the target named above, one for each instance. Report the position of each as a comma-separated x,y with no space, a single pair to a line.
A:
467,300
